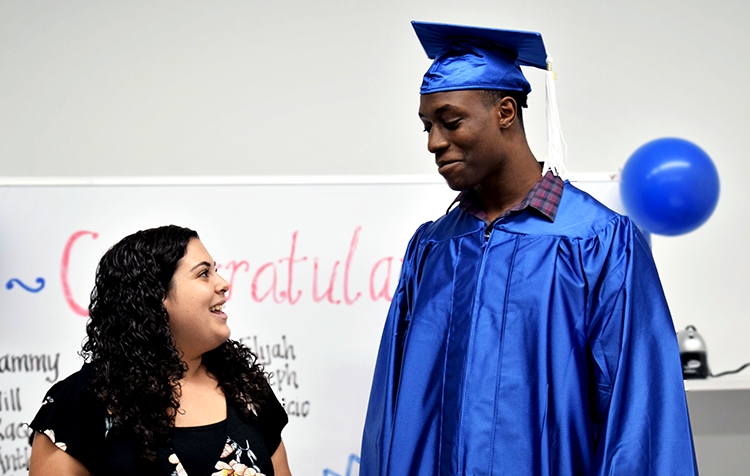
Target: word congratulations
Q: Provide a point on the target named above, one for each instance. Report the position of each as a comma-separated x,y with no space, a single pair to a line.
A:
277,280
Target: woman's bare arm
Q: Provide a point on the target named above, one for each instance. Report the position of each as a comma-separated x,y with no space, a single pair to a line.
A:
280,463
49,460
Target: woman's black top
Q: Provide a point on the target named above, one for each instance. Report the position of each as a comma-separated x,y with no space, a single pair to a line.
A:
78,423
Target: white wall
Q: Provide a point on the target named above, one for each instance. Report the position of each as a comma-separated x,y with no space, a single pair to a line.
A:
330,87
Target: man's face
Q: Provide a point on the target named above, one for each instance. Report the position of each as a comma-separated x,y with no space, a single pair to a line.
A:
464,135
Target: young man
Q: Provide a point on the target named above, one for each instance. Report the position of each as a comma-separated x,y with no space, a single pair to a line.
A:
529,334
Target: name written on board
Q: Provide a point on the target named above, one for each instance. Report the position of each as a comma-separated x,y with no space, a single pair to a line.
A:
279,358
32,363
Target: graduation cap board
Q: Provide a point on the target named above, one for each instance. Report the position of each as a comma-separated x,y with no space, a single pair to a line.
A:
468,57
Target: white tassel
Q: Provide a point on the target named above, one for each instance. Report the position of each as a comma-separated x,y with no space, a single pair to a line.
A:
557,149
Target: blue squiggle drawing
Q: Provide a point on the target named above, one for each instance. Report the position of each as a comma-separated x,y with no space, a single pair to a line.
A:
352,459
39,281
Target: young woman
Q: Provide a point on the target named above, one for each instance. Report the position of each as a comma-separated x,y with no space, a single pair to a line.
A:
163,390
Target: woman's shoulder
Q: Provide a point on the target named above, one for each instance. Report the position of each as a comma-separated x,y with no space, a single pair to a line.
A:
72,417
269,418
78,382
74,391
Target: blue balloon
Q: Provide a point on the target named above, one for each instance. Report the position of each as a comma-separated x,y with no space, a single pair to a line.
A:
669,186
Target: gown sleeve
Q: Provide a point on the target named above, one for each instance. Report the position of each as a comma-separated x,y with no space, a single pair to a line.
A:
377,434
640,412
68,418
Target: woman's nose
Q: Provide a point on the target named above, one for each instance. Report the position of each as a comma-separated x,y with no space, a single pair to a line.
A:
222,286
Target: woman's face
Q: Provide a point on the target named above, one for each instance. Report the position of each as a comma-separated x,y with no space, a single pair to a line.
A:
195,303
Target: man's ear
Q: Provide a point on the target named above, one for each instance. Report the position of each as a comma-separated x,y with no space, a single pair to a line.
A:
507,110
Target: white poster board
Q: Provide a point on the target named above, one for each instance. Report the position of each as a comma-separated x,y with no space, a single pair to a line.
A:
311,262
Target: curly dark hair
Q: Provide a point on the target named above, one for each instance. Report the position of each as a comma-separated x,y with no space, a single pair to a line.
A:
135,365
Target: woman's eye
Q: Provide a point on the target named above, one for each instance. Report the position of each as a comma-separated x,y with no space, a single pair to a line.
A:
203,273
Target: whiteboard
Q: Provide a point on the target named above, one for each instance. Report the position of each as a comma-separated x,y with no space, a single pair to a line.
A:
312,264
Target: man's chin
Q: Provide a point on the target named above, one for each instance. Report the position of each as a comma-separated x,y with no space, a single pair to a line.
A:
458,186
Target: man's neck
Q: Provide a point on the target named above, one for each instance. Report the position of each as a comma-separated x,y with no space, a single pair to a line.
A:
509,189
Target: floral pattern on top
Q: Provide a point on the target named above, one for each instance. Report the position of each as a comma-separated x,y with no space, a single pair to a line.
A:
51,435
76,421
179,470
229,463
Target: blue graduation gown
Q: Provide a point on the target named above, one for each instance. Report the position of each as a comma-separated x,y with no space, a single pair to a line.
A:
545,349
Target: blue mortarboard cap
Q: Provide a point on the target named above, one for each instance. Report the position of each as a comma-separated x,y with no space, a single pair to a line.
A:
468,57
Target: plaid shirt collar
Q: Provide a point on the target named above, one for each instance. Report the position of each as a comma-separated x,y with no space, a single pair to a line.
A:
544,197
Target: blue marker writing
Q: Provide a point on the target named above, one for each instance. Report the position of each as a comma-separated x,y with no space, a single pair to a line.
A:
39,281
352,459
